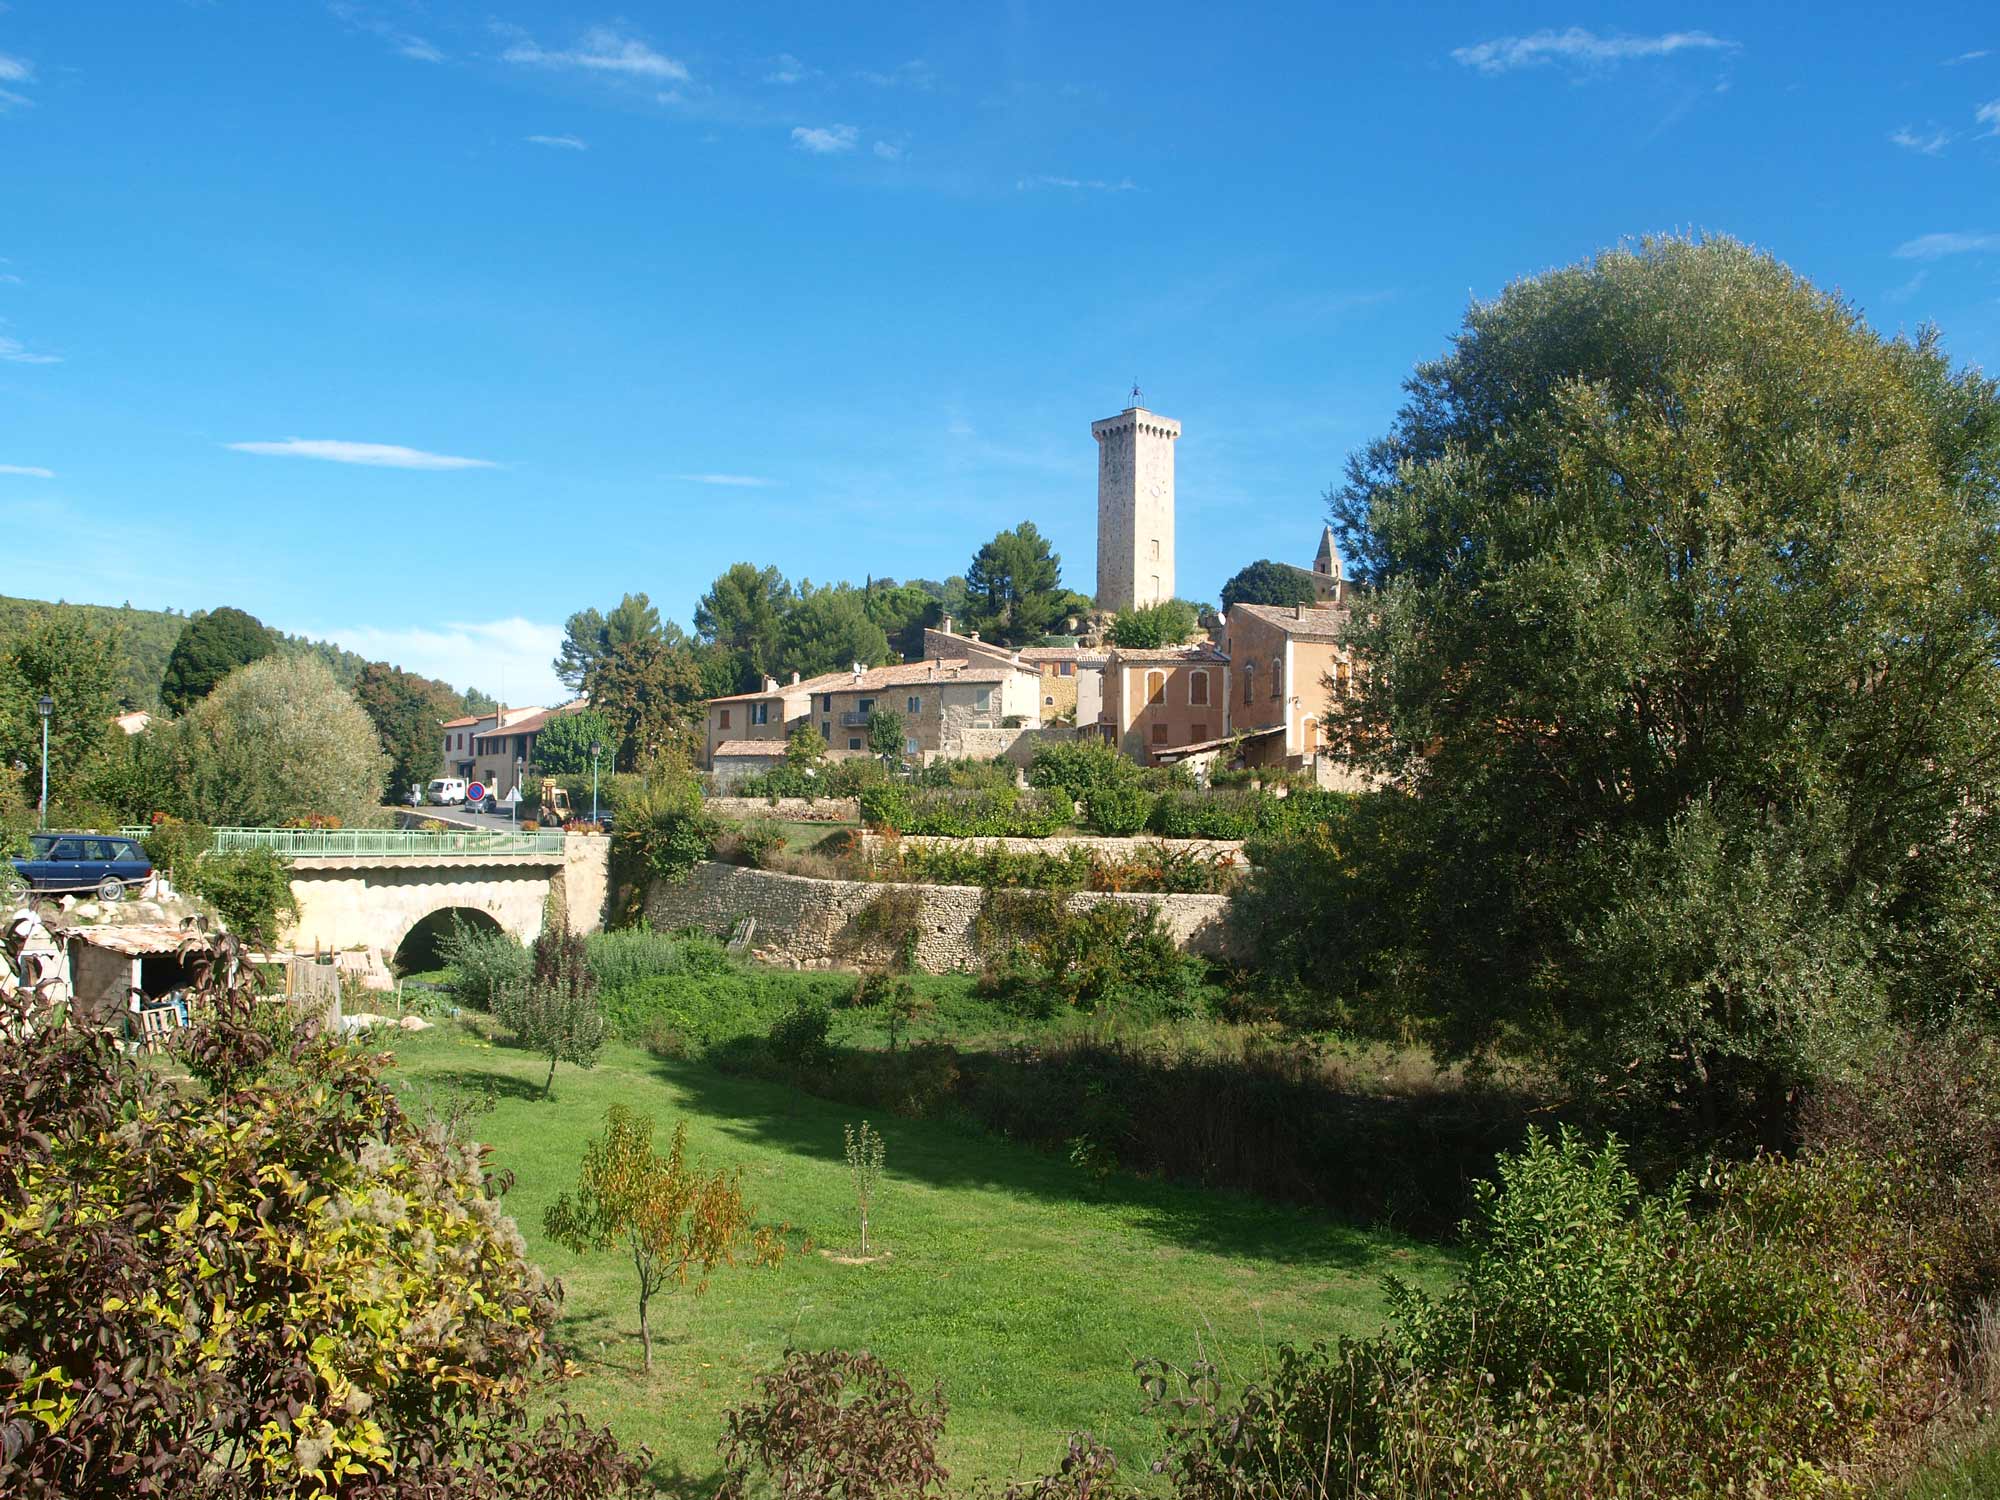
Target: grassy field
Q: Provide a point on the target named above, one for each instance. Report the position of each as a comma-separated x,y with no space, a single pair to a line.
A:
1023,1284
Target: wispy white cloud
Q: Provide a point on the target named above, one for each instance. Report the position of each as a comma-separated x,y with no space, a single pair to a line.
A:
787,69
1966,57
403,43
1581,48
513,653
373,455
15,70
1988,114
888,151
9,278
1909,289
13,352
914,74
1929,142
1079,184
728,481
28,471
825,140
563,142
600,50
1938,246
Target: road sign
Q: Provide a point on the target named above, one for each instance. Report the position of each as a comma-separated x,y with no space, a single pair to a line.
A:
476,792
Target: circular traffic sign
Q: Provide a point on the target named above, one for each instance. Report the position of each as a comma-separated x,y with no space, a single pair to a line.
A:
475,792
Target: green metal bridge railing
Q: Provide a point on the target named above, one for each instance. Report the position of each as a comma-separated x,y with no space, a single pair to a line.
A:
361,843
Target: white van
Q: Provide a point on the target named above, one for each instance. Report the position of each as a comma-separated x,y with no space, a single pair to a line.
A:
445,791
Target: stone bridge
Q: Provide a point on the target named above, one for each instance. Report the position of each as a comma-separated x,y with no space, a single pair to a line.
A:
375,901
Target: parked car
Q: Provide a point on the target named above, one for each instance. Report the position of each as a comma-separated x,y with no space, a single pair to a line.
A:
70,863
445,791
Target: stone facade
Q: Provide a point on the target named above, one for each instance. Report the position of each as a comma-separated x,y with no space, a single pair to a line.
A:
804,923
1135,508
1288,663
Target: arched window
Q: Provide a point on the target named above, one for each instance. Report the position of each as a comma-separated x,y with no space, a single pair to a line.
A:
1249,682
1197,689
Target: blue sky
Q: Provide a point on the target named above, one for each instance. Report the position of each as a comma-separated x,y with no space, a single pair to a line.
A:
306,307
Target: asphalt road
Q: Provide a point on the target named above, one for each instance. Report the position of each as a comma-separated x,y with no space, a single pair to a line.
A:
461,817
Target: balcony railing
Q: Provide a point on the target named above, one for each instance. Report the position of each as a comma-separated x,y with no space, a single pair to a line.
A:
856,718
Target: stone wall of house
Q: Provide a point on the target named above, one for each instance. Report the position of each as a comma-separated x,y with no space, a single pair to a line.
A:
1018,745
812,924
789,809
1103,848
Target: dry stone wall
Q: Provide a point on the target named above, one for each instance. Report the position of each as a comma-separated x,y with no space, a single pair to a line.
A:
812,924
790,809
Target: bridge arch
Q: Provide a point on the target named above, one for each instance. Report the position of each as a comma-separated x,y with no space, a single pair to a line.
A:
377,903
422,948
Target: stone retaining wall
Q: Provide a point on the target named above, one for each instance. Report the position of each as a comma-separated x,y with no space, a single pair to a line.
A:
791,809
1109,849
810,924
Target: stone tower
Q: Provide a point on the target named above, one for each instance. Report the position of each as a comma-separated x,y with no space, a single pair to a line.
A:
1135,508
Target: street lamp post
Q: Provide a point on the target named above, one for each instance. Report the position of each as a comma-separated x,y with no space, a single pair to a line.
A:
45,706
595,751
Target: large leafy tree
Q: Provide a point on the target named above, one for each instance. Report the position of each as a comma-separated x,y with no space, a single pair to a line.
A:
587,635
1684,663
406,711
77,666
276,740
212,645
1168,623
562,748
1269,582
828,630
903,610
743,614
650,697
1014,587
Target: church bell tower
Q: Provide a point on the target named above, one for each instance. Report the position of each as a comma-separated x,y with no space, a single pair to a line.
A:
1135,507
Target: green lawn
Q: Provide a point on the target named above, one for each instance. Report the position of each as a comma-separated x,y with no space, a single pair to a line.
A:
1967,1469
1024,1286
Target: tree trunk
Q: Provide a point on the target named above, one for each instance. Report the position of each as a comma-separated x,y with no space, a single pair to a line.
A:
645,1333
864,1229
549,1083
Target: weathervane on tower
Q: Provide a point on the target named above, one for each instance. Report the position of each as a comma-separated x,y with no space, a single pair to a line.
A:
1137,400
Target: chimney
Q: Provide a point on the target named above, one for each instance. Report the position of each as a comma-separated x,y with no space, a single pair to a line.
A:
934,669
770,684
972,635
795,679
945,625
1298,611
858,671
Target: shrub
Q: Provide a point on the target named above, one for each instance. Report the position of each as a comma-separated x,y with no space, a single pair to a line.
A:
556,1012
181,1308
484,963
174,845
801,1032
754,844
1118,811
1113,955
1601,1342
966,775
250,889
996,812
1080,767
1208,815
835,1424
620,960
